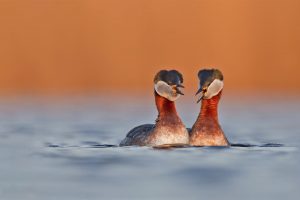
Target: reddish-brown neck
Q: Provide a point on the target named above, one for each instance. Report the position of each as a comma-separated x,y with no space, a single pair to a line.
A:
209,108
164,106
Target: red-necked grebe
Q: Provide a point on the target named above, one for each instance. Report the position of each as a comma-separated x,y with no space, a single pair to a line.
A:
206,131
168,129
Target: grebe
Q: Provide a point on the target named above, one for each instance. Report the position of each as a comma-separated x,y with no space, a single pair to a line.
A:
206,131
168,129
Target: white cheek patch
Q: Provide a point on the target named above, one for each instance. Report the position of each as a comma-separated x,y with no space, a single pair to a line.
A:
214,88
164,90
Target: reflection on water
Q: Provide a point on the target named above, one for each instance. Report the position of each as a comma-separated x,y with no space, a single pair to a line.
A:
68,150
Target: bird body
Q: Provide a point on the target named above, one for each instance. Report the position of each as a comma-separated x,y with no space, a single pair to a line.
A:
207,131
168,128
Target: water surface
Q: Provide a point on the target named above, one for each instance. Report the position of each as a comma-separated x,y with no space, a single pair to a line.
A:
65,148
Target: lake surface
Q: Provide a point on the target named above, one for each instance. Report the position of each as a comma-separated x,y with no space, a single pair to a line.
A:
64,148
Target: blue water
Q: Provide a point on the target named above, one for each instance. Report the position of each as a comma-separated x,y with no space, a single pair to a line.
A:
65,148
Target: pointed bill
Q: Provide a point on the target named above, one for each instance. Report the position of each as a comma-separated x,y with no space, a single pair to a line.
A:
178,91
201,96
200,90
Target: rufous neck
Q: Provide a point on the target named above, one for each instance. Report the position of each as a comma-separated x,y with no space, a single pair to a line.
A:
209,108
164,106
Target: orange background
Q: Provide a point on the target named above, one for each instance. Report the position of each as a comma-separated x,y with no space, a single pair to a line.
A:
65,46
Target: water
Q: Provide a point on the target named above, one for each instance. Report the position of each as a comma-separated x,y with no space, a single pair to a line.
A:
64,148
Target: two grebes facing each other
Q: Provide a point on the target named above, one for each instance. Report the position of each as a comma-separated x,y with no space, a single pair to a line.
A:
169,130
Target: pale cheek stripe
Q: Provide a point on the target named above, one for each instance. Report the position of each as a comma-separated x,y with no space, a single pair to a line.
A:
214,88
164,90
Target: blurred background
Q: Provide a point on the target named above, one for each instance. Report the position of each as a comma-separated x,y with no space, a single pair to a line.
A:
65,66
93,46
